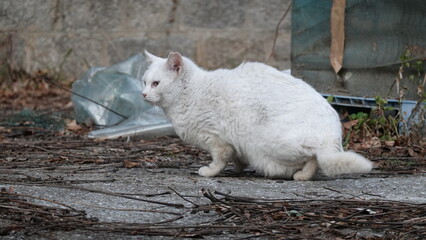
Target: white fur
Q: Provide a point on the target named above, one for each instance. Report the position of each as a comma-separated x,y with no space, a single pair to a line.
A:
252,115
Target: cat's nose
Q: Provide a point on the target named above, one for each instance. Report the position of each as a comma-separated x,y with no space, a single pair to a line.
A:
144,94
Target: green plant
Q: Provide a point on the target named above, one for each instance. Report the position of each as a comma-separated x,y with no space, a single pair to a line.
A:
381,122
414,69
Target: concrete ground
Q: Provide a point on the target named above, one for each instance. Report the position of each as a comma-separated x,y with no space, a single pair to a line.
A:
109,208
158,184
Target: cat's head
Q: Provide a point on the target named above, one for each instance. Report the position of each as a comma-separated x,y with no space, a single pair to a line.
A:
160,74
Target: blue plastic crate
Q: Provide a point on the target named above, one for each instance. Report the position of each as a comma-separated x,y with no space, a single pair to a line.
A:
406,107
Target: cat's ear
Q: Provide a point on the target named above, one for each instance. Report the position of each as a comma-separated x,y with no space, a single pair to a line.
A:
174,62
150,57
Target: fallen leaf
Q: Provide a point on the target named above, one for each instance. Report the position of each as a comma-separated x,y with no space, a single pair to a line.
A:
366,145
355,146
68,105
100,139
389,143
99,161
412,153
129,164
5,130
376,151
350,124
73,126
375,142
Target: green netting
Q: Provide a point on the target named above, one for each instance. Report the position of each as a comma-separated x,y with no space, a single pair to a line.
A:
377,32
28,118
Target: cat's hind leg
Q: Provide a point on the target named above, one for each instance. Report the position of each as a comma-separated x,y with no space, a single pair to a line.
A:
221,152
308,171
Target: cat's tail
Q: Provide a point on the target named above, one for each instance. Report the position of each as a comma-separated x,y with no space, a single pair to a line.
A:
337,163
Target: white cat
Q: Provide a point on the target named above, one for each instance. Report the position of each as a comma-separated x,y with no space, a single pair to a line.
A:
252,115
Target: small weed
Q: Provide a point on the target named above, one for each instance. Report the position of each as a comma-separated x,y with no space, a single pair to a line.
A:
380,122
414,69
384,122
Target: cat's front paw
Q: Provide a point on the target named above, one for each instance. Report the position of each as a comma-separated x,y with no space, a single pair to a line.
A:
207,172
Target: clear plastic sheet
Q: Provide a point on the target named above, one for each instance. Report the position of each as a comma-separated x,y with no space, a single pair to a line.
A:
119,106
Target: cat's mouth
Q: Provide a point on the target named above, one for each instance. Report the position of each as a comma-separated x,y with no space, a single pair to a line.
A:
151,99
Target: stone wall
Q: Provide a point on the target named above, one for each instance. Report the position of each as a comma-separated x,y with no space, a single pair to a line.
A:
79,34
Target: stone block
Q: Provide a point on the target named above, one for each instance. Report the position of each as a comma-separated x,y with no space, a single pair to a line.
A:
91,15
103,32
50,52
12,51
25,15
219,52
265,15
147,14
161,46
282,51
6,43
213,14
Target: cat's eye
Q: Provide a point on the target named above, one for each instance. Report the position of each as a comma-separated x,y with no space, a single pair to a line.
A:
144,83
155,84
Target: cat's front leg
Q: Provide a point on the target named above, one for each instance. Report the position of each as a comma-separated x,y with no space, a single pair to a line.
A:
221,153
